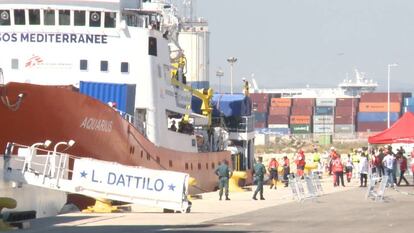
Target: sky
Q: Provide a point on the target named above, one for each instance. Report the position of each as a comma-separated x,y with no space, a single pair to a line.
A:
294,43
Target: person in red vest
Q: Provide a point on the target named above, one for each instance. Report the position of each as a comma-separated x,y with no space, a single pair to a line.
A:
349,166
286,170
332,156
300,163
338,169
273,166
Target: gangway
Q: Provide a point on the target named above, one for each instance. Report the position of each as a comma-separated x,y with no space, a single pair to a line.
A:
96,178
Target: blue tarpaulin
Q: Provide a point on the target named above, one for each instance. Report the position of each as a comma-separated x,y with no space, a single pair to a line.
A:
226,105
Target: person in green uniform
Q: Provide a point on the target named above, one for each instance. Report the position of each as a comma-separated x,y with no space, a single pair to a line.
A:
259,172
224,173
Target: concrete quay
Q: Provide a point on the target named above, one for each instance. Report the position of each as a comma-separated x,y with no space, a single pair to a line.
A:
209,213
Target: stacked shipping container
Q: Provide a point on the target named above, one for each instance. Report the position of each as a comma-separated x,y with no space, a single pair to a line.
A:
408,104
260,102
328,115
323,118
279,112
345,112
301,115
373,108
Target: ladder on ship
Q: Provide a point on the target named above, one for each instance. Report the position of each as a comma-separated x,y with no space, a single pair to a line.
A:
96,178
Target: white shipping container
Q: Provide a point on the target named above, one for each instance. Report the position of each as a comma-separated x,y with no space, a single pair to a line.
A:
344,128
329,102
323,128
323,119
282,126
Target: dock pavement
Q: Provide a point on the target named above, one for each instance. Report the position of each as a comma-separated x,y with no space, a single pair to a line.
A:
208,211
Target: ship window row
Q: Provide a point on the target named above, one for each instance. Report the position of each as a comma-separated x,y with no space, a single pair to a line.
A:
83,65
51,17
104,66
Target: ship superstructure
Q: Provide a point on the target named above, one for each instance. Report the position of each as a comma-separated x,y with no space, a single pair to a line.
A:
110,75
346,89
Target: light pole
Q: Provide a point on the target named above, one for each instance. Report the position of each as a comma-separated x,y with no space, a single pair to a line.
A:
388,92
231,60
219,74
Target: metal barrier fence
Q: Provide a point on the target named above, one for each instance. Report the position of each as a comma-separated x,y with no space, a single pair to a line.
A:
376,187
300,193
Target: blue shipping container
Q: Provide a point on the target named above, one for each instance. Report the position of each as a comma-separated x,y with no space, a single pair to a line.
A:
409,101
121,94
324,111
226,105
231,105
408,109
377,116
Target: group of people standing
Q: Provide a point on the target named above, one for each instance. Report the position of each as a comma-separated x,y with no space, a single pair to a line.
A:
381,161
385,162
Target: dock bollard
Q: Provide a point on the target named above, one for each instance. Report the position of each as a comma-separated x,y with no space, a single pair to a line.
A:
9,203
193,182
234,181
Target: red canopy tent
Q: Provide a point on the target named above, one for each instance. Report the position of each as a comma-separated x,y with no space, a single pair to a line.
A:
402,131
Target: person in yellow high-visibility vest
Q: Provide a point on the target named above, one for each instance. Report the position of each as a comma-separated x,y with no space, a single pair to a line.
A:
317,159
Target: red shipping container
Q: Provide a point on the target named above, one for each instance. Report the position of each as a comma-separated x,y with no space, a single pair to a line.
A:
278,119
280,102
279,111
372,126
260,107
346,110
304,102
302,110
344,119
379,107
347,102
375,97
258,125
300,120
259,97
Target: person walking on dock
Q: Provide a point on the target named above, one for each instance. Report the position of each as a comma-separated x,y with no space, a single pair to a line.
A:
403,168
286,170
273,170
224,173
363,170
300,163
259,172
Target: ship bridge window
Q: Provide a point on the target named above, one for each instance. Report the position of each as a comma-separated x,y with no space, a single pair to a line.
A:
4,17
131,20
64,17
95,19
49,17
15,64
110,19
104,65
83,65
152,46
19,17
80,18
124,67
34,17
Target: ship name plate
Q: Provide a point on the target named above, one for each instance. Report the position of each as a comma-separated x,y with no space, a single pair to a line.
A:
96,124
